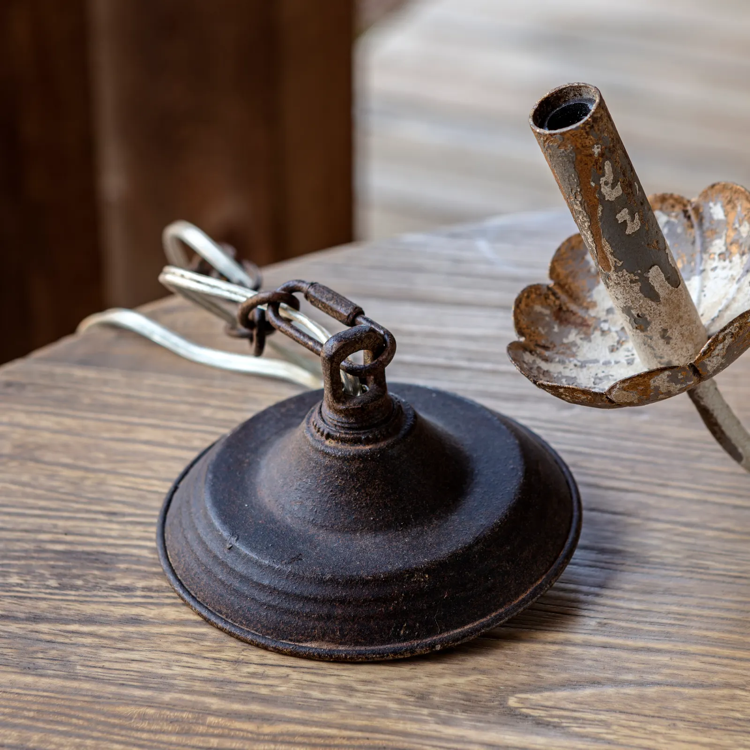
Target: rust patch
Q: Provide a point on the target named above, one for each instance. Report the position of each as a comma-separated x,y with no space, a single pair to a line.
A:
724,347
617,224
652,386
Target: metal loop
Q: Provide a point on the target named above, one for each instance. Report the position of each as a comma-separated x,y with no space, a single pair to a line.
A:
200,265
345,311
251,317
335,353
183,232
384,357
326,300
220,298
292,331
274,298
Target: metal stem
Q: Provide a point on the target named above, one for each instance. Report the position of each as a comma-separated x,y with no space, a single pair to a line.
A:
722,422
134,321
596,177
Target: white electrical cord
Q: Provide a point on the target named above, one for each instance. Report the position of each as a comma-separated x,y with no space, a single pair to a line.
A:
220,298
134,321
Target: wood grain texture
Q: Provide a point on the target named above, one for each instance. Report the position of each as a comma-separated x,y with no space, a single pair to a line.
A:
48,222
644,641
236,116
120,116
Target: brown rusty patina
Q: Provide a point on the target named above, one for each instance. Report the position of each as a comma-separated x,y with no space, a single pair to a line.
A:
650,300
368,525
576,346
593,170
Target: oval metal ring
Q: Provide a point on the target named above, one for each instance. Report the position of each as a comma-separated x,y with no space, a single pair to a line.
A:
183,232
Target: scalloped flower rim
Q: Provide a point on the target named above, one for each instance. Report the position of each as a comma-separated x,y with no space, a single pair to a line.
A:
572,343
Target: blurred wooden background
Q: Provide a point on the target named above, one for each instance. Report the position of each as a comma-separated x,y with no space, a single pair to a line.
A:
445,88
119,116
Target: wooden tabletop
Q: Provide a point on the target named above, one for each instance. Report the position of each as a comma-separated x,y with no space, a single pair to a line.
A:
644,641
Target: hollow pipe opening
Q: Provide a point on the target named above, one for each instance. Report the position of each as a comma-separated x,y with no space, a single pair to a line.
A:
565,107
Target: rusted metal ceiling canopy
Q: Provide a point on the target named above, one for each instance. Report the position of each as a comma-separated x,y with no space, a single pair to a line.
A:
366,525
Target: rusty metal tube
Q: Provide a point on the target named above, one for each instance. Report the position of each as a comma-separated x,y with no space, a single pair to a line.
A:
596,177
593,170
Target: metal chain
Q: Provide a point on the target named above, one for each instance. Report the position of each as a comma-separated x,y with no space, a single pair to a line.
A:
333,304
221,297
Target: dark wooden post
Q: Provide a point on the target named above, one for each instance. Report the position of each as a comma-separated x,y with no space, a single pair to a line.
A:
50,267
120,116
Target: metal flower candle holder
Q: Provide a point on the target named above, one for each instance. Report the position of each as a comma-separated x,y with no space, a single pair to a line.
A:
652,298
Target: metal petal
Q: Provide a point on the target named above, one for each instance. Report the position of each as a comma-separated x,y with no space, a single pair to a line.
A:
572,342
723,241
653,385
724,347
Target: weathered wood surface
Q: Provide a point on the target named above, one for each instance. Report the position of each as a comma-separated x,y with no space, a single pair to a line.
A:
644,642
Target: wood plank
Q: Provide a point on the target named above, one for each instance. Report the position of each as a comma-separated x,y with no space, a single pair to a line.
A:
118,117
315,159
644,641
235,116
48,222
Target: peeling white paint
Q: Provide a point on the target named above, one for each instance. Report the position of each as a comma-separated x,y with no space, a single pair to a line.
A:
605,183
714,257
633,225
717,211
